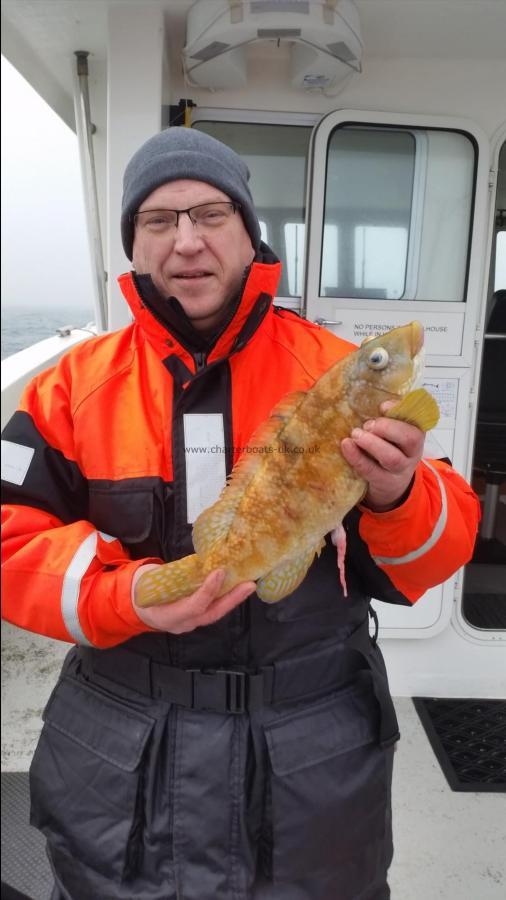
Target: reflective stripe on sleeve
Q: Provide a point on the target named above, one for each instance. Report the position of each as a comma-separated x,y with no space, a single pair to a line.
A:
79,564
432,540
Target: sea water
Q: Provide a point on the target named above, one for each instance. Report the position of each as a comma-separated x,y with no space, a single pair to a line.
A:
24,325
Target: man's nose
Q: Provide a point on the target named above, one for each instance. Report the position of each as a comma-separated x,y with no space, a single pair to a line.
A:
187,239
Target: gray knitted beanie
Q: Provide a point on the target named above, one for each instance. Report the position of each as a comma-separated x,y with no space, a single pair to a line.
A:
185,153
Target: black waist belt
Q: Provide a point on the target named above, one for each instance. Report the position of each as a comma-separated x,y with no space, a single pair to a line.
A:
235,691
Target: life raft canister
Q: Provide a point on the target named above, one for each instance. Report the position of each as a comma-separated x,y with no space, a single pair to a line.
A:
323,37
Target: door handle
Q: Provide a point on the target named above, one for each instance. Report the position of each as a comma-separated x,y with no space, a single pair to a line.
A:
325,322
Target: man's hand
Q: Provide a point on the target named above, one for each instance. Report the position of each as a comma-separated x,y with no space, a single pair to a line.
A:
201,608
386,453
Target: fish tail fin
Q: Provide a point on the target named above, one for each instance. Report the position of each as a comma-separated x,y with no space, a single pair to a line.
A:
169,582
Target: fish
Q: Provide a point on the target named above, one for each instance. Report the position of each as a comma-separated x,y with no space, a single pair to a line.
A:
292,486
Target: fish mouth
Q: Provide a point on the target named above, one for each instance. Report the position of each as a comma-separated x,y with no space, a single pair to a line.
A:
416,351
415,379
418,367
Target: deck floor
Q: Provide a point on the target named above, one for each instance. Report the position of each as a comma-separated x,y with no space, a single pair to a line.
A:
448,845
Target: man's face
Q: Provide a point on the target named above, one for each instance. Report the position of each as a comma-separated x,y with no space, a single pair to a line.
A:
204,270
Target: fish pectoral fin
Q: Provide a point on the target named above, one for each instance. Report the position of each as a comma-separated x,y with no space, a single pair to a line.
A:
417,408
285,578
169,582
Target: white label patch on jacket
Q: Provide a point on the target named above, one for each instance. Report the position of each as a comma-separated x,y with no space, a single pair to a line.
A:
16,459
204,444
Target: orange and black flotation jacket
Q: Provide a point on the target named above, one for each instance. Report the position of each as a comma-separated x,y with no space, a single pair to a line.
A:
190,764
104,468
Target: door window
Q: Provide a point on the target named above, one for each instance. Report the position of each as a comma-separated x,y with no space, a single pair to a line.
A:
500,262
400,204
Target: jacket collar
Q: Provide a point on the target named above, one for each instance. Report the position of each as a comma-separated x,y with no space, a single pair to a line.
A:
169,330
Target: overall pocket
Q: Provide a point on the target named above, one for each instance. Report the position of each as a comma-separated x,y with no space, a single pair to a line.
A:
328,784
141,518
86,779
125,514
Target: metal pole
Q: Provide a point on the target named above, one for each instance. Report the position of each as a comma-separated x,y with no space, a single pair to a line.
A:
84,136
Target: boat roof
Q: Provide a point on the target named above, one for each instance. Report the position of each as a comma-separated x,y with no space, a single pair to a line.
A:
39,37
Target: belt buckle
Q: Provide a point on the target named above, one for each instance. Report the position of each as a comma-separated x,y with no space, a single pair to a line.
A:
235,686
219,690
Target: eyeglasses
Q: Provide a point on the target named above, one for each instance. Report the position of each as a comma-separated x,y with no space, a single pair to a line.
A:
205,217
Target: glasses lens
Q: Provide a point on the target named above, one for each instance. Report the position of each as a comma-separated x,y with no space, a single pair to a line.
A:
211,215
205,217
156,220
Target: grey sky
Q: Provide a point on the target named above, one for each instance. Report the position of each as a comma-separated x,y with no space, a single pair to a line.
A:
45,258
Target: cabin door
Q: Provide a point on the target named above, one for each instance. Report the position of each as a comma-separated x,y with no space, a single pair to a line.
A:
398,214
483,609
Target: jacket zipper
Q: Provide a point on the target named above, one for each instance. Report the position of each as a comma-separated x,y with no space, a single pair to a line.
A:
200,361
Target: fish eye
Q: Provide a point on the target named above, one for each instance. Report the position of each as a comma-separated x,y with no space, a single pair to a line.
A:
379,358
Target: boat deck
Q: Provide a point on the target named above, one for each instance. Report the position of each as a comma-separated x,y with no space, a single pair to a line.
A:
448,845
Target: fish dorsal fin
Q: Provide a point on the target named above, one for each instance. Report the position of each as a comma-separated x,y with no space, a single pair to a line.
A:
418,408
287,405
213,525
261,445
285,578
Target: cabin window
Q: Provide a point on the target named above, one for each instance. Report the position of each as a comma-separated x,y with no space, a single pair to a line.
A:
330,263
380,259
294,245
400,203
276,156
500,262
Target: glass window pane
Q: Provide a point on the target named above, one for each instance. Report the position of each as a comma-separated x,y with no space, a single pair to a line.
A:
367,199
500,262
400,200
445,199
294,243
330,266
276,156
380,259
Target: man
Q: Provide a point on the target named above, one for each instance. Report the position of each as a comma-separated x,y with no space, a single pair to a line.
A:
217,748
